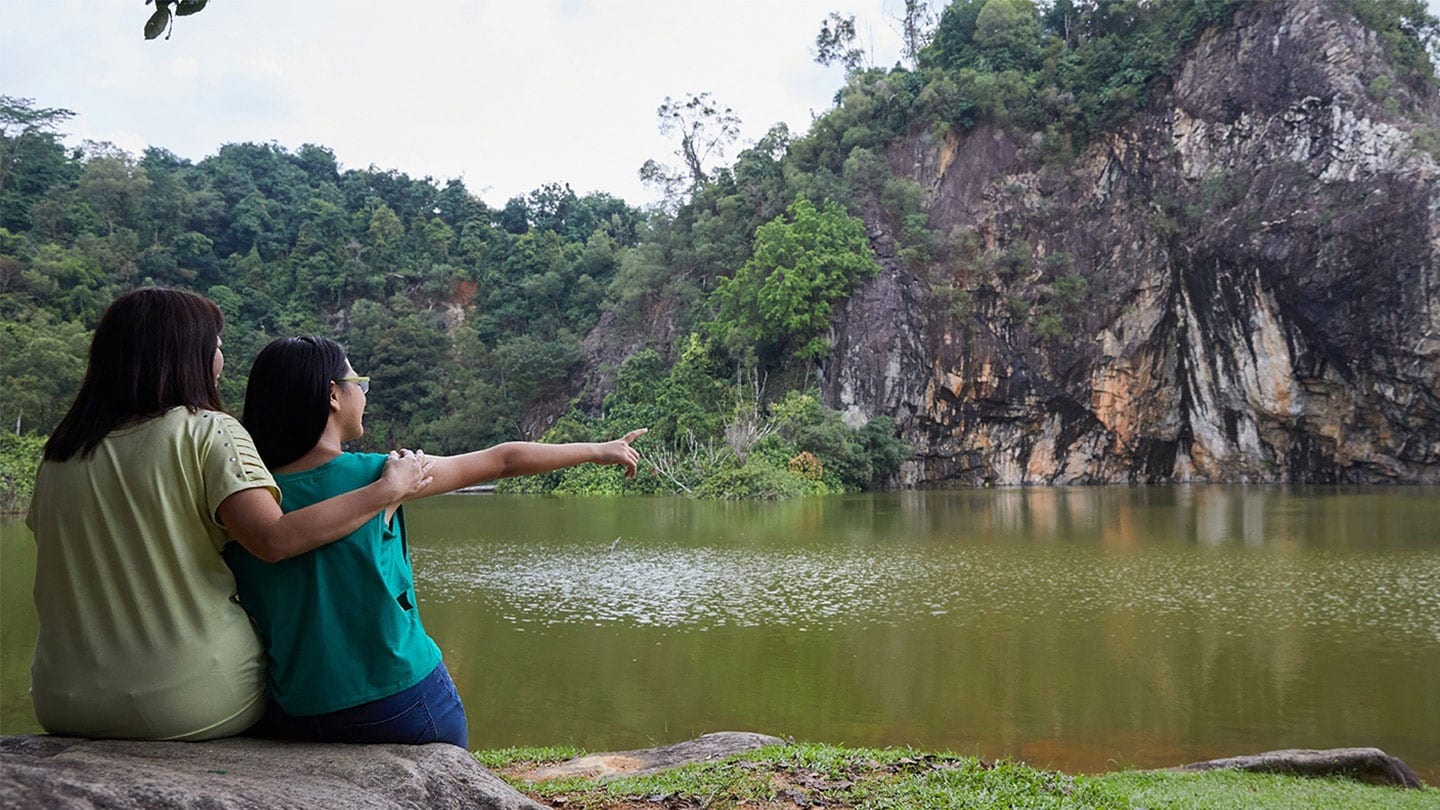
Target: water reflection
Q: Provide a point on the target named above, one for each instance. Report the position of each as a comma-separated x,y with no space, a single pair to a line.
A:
822,563
1076,628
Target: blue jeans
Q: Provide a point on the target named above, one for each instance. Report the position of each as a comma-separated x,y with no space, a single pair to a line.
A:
430,711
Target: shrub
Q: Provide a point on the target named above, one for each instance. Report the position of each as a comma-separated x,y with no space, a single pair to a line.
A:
754,481
805,465
19,458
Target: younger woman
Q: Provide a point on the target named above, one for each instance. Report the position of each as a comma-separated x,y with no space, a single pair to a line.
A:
142,483
349,660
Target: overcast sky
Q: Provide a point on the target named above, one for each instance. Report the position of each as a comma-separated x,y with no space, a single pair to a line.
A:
507,96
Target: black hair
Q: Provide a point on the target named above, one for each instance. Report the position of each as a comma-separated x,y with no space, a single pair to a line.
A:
287,401
153,350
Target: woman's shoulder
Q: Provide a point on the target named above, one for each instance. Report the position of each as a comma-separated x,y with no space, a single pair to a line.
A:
184,415
352,467
365,462
200,422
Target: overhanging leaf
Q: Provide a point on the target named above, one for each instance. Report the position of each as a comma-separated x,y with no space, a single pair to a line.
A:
187,7
157,22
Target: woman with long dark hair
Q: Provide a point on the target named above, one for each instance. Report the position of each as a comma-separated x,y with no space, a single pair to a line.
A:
142,484
348,658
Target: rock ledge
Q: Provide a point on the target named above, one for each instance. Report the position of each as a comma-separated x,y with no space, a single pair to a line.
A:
1370,765
654,760
241,774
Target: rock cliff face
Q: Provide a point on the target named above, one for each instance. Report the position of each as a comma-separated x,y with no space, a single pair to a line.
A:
1260,255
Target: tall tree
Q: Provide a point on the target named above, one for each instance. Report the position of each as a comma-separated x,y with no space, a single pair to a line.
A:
31,157
705,128
917,25
836,43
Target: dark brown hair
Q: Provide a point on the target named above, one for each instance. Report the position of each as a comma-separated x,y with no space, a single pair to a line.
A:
153,350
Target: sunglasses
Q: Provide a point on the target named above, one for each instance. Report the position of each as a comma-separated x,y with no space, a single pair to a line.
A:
363,382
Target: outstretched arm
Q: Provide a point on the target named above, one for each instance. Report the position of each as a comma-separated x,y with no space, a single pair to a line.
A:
254,519
527,458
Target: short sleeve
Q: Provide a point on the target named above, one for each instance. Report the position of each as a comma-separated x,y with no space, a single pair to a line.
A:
230,461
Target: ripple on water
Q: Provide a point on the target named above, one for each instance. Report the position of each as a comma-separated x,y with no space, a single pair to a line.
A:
819,589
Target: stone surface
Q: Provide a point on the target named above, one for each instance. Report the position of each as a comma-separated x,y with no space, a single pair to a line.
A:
1365,764
654,760
1261,248
239,774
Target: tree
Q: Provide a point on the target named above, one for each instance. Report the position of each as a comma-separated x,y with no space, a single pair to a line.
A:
705,129
42,364
804,261
32,160
916,28
113,185
836,43
1007,34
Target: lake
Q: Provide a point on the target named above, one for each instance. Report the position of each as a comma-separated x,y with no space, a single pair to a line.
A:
1084,629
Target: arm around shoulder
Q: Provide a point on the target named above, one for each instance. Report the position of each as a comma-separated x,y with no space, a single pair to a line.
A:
255,520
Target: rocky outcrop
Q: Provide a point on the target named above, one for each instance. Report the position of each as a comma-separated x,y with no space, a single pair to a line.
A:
647,761
1370,765
1242,284
239,774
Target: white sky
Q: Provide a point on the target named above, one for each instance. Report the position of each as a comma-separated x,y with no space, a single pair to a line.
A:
507,96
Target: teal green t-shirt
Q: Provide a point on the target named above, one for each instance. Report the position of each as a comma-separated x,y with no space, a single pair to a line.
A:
340,624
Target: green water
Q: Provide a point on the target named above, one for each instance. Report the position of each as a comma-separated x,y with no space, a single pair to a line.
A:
1082,629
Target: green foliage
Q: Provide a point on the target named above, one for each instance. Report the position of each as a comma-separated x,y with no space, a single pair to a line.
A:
1083,66
591,480
685,399
804,262
757,480
1426,140
19,459
467,318
42,364
903,200
1070,289
852,459
1007,34
1219,192
463,323
836,43
1049,326
1407,29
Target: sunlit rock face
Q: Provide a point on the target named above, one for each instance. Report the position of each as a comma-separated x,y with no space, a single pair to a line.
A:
1262,253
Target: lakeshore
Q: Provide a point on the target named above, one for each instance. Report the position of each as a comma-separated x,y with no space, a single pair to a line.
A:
793,775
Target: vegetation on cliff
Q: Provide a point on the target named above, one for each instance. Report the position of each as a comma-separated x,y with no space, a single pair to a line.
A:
708,319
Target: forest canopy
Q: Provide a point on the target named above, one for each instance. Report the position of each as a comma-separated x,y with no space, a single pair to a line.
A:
473,321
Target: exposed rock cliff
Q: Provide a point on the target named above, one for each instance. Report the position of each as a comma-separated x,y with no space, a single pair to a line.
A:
1260,252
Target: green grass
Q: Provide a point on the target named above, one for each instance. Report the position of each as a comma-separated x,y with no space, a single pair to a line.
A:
808,775
498,758
1223,790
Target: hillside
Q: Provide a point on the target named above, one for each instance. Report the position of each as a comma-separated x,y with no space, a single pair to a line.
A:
1112,241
